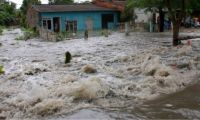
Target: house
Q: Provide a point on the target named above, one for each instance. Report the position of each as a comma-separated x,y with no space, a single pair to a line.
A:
72,18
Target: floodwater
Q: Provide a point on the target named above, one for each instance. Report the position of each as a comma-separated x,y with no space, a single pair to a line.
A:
135,77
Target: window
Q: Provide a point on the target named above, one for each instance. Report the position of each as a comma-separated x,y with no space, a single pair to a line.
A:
71,26
49,24
46,23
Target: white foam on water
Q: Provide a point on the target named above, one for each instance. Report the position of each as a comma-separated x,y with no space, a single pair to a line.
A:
84,89
126,68
47,107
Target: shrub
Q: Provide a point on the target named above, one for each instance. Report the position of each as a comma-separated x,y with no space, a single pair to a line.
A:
1,70
28,34
105,33
1,30
61,36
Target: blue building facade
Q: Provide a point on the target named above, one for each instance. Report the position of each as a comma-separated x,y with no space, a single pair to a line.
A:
73,18
79,20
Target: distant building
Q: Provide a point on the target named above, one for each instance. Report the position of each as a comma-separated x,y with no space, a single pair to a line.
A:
72,18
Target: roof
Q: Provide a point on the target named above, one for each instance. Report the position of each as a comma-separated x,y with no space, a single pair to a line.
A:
70,8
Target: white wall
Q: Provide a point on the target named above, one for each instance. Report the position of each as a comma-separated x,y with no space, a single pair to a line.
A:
142,16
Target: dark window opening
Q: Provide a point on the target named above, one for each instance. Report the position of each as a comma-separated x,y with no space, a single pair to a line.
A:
49,24
106,18
44,24
56,24
71,26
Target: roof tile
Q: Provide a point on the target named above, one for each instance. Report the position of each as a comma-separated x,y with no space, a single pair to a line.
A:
71,8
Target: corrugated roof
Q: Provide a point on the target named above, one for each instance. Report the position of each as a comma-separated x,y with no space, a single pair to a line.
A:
72,7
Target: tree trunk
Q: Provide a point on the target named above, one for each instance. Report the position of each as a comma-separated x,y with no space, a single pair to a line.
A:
154,22
161,26
176,40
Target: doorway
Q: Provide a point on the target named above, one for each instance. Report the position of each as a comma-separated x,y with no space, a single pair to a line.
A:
106,18
56,24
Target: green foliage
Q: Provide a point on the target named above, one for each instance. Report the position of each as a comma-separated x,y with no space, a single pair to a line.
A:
7,13
24,8
128,13
105,32
27,3
1,70
61,36
28,34
1,30
22,18
61,1
175,4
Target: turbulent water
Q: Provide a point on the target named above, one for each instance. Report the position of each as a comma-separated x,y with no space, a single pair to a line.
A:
117,77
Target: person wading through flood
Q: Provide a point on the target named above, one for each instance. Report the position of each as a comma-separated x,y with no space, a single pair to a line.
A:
86,35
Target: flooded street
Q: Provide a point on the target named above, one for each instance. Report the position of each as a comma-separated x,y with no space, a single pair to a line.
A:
117,77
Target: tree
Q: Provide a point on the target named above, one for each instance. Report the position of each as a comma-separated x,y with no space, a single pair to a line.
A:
177,10
126,16
7,13
61,1
27,3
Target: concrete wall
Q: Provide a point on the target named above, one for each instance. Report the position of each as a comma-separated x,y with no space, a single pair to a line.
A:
47,35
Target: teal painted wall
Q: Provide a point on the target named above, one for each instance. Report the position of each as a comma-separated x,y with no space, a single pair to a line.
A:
81,18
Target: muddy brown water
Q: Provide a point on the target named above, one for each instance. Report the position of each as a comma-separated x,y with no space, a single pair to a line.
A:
181,105
35,74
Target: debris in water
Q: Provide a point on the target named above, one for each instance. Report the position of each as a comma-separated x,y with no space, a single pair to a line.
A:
89,69
85,89
15,75
184,50
35,69
68,57
164,71
47,107
68,78
150,65
168,105
1,70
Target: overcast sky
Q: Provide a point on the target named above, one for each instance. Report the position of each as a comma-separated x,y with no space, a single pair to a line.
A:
19,2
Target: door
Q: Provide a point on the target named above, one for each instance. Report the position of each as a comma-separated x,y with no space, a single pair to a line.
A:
106,18
56,24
